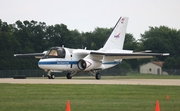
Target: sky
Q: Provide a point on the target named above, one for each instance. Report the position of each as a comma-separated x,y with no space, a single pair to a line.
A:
86,15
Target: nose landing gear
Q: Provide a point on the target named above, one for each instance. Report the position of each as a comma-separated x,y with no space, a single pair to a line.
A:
50,76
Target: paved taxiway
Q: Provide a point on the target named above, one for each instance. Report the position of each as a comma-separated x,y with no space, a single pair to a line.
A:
169,82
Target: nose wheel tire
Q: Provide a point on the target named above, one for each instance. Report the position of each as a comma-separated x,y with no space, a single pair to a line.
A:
52,76
98,76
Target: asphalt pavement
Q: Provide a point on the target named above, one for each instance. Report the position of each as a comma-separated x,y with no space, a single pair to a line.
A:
168,82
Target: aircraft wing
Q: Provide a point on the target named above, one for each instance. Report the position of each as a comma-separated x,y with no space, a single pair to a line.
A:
129,55
36,55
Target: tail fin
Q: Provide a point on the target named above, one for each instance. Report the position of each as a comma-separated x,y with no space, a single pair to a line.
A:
116,39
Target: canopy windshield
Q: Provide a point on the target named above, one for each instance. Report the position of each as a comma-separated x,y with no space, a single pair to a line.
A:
55,52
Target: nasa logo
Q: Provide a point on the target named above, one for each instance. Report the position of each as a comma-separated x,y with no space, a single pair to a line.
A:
117,36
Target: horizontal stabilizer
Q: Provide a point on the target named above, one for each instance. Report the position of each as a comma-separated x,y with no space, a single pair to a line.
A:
130,55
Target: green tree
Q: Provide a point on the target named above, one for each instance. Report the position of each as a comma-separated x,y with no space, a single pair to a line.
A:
77,41
8,46
161,39
96,39
130,42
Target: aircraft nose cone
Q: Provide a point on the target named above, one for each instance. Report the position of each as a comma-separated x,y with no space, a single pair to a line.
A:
40,64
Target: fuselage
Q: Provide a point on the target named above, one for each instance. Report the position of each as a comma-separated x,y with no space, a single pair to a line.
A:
66,59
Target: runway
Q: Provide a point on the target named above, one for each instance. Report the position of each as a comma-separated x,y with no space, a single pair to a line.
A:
167,82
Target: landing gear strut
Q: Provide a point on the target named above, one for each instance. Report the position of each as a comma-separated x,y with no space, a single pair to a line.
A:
50,76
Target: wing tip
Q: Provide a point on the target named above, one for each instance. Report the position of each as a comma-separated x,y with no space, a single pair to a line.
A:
15,55
165,54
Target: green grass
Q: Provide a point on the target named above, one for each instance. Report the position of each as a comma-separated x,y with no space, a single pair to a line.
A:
41,97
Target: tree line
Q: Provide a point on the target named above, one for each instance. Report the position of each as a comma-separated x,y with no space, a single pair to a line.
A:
32,37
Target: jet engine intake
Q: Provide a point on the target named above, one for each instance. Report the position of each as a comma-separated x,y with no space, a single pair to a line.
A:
88,64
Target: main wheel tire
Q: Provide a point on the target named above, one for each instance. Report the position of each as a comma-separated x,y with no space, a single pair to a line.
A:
98,76
69,76
49,77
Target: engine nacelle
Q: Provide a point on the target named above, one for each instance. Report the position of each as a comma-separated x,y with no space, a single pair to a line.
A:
88,64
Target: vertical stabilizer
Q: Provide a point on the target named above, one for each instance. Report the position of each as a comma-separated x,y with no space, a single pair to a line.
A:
116,39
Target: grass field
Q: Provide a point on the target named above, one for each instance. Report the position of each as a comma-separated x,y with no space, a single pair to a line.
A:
41,97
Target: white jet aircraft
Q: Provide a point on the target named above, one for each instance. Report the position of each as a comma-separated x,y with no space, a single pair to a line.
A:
76,60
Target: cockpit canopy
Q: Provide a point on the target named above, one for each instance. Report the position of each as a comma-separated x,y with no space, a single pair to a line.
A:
55,52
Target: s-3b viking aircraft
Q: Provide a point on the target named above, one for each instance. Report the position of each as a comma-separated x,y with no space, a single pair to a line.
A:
76,60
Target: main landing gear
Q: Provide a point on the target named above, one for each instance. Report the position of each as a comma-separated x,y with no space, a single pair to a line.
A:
96,74
70,74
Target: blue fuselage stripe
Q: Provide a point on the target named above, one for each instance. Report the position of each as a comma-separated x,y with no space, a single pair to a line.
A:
57,62
69,62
